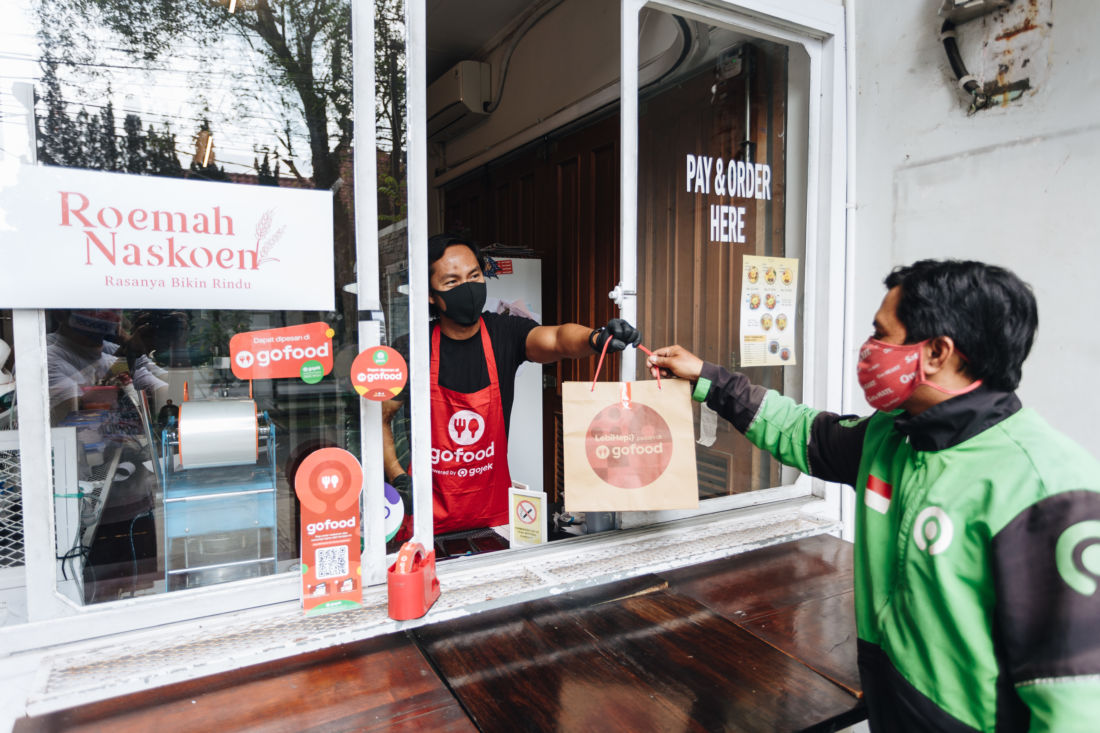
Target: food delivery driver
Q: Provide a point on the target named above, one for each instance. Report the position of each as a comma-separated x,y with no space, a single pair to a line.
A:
474,357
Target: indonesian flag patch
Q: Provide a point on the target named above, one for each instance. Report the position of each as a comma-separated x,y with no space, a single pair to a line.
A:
878,493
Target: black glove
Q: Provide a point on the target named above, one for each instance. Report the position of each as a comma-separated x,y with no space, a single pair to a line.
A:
403,484
621,333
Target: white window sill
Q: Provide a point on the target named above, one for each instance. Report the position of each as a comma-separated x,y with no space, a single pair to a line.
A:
108,667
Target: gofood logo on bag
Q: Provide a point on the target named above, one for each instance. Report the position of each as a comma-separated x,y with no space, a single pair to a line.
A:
629,448
296,351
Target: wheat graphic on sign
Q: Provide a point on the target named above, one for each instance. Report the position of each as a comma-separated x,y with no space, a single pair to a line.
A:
263,227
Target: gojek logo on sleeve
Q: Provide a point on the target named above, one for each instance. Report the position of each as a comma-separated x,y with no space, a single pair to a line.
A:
1077,555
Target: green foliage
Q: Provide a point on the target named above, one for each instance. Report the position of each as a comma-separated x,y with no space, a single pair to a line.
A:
305,52
305,48
264,175
91,140
392,192
135,149
110,157
162,160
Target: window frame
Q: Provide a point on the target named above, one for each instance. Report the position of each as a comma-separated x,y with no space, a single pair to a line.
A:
823,268
818,26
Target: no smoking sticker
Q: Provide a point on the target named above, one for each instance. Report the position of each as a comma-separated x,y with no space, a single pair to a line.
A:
526,512
525,520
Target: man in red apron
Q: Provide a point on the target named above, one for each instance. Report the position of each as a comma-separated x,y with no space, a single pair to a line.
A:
474,358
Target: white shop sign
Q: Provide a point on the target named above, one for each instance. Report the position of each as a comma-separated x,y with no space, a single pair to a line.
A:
76,238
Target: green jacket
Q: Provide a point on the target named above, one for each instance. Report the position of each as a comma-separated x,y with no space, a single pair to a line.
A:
977,555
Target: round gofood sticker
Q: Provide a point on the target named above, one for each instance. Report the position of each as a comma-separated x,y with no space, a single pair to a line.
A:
379,373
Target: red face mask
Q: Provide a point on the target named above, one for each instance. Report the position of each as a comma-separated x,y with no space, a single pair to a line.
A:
890,373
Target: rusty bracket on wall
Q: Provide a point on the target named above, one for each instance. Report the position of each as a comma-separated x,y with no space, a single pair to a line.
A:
957,12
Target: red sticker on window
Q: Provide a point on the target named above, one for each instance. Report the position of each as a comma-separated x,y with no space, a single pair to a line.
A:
328,483
379,373
281,352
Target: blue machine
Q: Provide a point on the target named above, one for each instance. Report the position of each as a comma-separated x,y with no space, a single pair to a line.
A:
219,494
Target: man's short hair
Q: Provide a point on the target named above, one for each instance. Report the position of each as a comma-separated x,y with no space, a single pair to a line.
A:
438,244
988,311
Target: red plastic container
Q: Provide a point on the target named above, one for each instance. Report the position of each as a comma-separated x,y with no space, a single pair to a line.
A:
412,583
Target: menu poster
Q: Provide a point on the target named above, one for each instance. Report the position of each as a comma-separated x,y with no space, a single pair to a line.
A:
769,293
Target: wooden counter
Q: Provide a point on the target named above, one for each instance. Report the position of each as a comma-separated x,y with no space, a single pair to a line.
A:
763,641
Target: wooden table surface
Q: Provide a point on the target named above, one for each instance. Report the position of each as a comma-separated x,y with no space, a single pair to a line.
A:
763,641
381,684
796,596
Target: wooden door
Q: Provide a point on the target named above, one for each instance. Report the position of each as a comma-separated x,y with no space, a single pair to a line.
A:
690,286
560,197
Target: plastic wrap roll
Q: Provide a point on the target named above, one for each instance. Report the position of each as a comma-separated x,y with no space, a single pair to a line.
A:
218,433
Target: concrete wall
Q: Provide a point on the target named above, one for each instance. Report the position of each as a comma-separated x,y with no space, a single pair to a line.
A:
1012,185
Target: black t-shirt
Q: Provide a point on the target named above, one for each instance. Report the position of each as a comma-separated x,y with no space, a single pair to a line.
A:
462,365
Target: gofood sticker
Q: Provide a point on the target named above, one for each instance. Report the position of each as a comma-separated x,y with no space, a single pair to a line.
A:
303,351
328,484
379,373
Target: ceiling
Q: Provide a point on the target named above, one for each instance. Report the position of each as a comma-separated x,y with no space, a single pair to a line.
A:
460,29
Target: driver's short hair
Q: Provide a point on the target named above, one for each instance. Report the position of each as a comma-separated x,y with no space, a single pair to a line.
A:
988,311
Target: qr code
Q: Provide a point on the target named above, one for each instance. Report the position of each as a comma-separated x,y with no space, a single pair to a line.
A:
332,562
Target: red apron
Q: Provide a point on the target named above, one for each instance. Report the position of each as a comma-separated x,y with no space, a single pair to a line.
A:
470,478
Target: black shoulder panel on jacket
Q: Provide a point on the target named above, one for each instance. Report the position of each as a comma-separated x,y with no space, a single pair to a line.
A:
1046,565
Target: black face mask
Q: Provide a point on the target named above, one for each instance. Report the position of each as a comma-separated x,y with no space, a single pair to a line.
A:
464,302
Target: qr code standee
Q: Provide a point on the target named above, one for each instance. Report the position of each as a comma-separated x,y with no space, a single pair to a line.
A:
332,562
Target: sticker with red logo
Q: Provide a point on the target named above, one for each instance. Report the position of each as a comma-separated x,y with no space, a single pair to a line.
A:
328,484
303,351
379,373
628,445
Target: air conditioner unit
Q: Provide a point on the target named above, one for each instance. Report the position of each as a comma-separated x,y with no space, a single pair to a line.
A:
456,100
961,11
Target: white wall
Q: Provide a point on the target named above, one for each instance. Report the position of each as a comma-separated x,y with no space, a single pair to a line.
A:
1012,185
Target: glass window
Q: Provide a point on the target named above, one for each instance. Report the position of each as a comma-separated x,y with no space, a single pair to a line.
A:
167,495
720,259
13,602
718,271
158,491
392,116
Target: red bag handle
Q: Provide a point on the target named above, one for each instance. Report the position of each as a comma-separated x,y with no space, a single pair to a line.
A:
599,365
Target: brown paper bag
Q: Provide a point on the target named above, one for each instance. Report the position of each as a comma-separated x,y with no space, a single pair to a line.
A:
629,446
